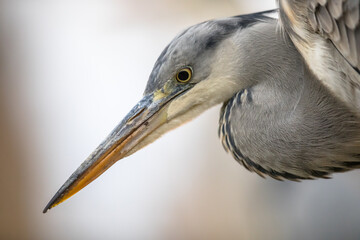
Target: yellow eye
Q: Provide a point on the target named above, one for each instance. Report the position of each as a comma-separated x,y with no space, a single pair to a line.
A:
184,75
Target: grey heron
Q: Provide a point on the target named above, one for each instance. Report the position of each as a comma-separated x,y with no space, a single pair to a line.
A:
289,85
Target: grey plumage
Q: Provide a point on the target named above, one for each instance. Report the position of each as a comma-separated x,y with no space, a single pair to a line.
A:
196,45
293,127
290,89
337,20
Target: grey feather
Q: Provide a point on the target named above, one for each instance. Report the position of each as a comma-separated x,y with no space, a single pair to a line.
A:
336,32
353,57
352,17
343,44
335,8
313,21
324,19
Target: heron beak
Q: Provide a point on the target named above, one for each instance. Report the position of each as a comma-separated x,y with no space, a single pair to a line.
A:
147,115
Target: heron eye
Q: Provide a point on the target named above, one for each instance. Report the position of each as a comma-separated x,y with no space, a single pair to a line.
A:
184,75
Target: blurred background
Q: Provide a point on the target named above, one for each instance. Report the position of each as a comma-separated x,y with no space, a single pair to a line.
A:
69,71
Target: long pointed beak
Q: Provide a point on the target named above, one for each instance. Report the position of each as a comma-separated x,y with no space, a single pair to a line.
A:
148,115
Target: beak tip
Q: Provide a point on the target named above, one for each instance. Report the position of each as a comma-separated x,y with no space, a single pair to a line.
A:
45,209
55,200
48,207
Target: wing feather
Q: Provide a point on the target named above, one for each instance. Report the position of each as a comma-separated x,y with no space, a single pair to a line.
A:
352,17
338,20
325,20
335,8
327,34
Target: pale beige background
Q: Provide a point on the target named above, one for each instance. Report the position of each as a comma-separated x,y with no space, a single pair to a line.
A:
69,71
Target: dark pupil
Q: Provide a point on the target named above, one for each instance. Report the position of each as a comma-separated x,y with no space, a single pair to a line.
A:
183,75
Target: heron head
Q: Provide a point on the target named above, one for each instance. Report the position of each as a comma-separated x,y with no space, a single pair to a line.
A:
194,72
